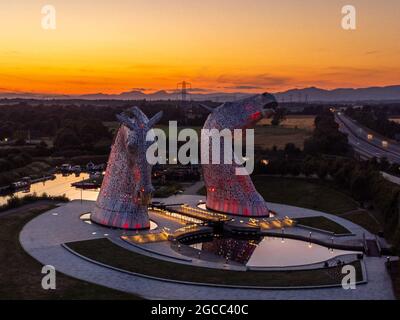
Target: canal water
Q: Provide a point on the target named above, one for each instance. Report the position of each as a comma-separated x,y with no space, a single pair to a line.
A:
57,187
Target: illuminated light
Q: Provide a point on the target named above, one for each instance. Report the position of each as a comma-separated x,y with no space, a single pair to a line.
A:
385,144
255,116
94,232
125,225
265,162
106,234
55,214
370,136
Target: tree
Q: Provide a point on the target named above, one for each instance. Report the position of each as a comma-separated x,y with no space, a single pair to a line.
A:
66,138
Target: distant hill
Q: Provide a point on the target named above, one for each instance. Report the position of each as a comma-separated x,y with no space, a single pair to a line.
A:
312,94
340,94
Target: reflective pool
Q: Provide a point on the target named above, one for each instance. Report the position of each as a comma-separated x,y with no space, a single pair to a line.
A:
270,251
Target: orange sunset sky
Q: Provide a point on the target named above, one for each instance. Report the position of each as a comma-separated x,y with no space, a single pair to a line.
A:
217,45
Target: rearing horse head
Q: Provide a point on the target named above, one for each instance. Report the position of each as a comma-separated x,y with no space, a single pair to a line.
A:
126,189
138,126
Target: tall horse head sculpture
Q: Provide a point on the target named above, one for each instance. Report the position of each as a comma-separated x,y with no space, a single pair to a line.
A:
126,189
226,191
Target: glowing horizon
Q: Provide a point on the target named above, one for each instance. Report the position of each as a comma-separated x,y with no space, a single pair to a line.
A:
260,45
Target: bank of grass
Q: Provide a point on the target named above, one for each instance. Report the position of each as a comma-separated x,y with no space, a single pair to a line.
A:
106,252
20,274
323,223
16,202
304,193
34,170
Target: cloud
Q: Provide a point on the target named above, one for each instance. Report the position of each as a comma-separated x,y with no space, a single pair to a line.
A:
141,89
259,80
243,87
372,52
340,71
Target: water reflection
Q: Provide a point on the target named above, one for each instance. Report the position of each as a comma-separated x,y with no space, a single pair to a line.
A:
270,251
57,187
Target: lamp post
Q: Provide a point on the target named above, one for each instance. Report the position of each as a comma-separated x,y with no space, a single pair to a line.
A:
82,192
283,235
310,244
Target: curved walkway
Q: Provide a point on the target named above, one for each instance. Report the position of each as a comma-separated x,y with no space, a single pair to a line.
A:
43,236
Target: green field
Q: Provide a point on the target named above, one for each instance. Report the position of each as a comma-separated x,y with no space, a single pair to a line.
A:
268,136
304,193
105,251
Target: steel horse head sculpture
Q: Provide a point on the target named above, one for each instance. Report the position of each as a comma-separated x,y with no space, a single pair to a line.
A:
126,189
226,191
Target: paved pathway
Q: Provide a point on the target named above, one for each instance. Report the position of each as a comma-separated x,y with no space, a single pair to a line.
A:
42,238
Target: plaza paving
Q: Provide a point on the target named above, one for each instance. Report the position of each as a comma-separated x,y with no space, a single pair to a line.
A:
43,236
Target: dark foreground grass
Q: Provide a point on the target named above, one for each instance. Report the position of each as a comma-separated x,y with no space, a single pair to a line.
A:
20,274
104,251
394,272
323,223
364,219
304,193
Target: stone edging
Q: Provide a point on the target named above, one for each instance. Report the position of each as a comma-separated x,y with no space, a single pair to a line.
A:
65,246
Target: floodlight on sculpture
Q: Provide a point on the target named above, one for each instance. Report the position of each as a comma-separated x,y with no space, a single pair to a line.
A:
226,191
126,189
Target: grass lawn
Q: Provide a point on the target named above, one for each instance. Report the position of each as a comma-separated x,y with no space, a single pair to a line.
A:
364,219
323,223
104,251
20,274
304,193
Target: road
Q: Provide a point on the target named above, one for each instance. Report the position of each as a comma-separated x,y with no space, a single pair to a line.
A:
365,142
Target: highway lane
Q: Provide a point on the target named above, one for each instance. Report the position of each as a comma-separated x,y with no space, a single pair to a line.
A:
366,142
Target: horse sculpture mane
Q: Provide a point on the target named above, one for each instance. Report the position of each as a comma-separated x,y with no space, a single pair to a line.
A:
126,189
226,191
